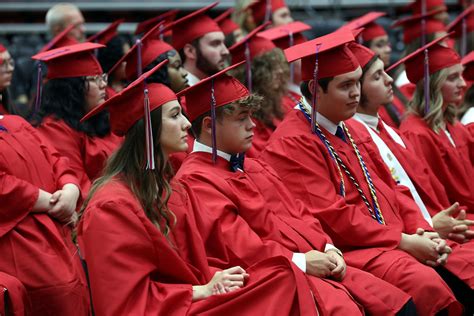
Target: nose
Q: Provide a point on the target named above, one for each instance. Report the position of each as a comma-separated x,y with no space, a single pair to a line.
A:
251,124
224,50
388,79
186,124
183,71
462,82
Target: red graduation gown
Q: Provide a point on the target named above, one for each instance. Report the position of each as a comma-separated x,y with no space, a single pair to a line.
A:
87,155
2,109
261,134
289,101
13,299
305,166
36,249
135,270
461,261
453,166
261,200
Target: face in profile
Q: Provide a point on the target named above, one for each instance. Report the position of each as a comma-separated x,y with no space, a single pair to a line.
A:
7,65
176,72
281,16
382,47
174,128
454,86
95,90
376,86
212,53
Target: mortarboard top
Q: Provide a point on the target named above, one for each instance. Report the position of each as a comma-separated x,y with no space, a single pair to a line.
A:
257,45
60,40
146,26
226,24
457,24
193,26
126,107
151,48
334,57
412,26
227,89
362,53
280,35
468,63
259,9
106,35
440,57
416,6
71,61
367,21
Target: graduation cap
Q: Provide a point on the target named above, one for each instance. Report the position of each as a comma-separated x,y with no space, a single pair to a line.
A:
362,53
134,102
287,35
147,25
60,40
461,26
417,6
209,94
107,34
323,57
250,47
193,26
143,53
468,63
2,49
371,29
419,25
226,24
262,10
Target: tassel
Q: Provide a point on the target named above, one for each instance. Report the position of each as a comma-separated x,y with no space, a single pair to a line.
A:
162,35
213,123
268,11
248,67
426,82
423,23
315,90
139,58
292,66
39,87
150,154
464,38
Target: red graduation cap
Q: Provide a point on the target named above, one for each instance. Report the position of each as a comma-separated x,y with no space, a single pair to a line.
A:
334,56
71,61
226,24
262,9
456,25
287,35
60,40
193,26
106,35
362,53
468,63
440,57
367,21
147,25
431,5
126,107
2,48
257,45
151,48
413,26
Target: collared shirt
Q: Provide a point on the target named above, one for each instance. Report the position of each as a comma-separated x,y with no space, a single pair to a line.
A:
294,88
192,79
322,121
200,147
468,117
373,122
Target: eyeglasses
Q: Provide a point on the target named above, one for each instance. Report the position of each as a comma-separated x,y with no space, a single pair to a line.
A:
98,78
7,62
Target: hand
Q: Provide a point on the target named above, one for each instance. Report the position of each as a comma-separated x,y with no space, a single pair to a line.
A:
442,247
224,281
339,271
319,264
64,204
42,202
421,247
454,228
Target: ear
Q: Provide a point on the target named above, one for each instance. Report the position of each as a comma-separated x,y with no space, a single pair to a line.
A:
206,125
190,51
311,88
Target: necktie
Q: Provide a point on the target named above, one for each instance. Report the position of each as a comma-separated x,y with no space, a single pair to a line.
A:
237,162
340,133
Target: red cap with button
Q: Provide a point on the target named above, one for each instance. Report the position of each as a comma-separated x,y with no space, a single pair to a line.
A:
362,53
257,45
431,5
146,26
71,61
106,35
60,40
468,63
262,8
412,26
225,22
367,21
281,35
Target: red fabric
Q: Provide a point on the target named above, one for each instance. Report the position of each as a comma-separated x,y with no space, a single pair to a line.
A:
453,166
259,9
261,134
263,202
107,34
149,276
87,155
176,159
2,109
303,163
362,53
256,44
36,249
289,101
226,23
110,92
468,63
12,294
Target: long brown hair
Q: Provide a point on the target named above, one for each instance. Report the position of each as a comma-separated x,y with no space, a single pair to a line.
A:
150,187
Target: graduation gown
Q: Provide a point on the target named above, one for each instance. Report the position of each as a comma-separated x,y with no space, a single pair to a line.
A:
261,135
2,109
453,166
305,166
259,198
87,155
13,299
289,100
461,260
136,270
36,249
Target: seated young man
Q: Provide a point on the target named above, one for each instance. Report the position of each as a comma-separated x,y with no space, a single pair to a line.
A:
250,215
322,166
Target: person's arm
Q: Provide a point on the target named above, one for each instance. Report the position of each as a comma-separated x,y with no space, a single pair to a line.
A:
451,223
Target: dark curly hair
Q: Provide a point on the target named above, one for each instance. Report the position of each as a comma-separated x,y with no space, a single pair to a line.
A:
161,75
64,99
110,55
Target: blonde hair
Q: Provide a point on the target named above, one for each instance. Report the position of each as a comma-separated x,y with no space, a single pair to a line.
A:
55,17
435,116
